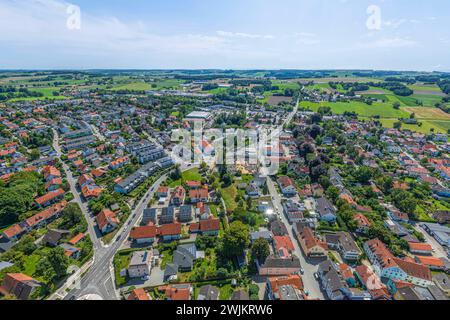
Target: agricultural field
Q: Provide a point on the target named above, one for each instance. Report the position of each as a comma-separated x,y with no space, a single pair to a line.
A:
384,110
138,86
276,100
428,113
425,128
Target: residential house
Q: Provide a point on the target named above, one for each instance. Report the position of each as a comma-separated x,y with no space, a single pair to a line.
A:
274,266
287,186
199,195
208,292
144,235
278,228
184,256
209,227
285,288
140,264
310,244
372,283
344,243
53,236
107,221
388,266
178,196
331,282
139,294
167,215
178,292
149,215
266,235
185,213
170,232
71,251
420,248
326,210
19,285
50,198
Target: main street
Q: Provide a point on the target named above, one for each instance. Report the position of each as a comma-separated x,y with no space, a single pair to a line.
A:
98,279
310,283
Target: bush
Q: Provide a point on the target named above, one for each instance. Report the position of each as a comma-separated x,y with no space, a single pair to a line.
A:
253,291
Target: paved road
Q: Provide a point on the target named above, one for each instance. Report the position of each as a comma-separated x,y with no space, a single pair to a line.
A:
77,198
310,283
99,280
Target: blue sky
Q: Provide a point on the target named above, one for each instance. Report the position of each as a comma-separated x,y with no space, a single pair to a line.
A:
239,34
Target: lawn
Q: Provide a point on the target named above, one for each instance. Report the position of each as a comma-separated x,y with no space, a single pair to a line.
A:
31,263
191,174
229,195
384,110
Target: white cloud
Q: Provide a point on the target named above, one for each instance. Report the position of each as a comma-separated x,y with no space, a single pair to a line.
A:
229,34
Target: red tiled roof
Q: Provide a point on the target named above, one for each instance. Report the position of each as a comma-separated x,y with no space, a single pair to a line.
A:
211,224
46,214
77,238
362,220
384,256
106,216
51,170
53,182
198,194
49,196
192,183
175,293
13,231
413,246
285,181
169,229
414,269
143,232
283,242
431,261
139,294
292,280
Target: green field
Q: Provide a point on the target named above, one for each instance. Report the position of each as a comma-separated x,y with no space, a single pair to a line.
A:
425,87
47,92
427,125
384,110
138,86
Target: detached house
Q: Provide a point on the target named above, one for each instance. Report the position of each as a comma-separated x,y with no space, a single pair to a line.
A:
19,285
178,196
287,186
209,227
344,243
199,195
107,221
332,283
140,264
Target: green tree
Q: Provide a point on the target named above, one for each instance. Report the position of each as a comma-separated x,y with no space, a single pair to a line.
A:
235,239
260,249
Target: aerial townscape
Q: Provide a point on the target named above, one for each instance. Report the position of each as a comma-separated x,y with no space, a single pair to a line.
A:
98,202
